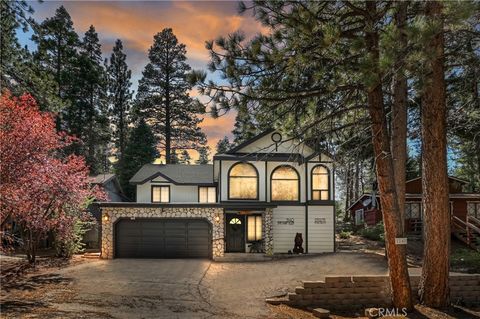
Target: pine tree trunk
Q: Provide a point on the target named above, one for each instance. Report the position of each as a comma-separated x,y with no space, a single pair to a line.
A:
397,262
168,156
434,291
399,113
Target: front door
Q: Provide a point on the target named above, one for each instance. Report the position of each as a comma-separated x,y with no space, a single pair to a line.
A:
235,233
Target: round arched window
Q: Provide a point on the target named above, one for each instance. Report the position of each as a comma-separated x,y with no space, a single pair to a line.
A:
243,182
285,184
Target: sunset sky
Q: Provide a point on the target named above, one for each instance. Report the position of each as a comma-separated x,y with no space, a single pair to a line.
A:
135,23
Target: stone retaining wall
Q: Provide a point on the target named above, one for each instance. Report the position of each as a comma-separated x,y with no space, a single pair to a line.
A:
209,213
345,292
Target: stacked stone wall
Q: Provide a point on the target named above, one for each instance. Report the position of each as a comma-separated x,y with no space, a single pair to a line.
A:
213,214
356,292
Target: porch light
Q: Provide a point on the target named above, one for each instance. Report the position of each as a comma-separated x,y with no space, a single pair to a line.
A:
217,218
106,217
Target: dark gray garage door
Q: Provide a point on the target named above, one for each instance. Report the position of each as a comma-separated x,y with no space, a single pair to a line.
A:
162,238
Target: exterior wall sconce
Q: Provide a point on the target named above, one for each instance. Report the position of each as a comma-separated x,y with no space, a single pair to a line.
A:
217,218
106,217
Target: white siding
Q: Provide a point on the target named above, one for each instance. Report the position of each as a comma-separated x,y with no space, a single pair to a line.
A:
178,193
284,234
266,145
320,236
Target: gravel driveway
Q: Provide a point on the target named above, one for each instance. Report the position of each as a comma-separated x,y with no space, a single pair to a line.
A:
149,288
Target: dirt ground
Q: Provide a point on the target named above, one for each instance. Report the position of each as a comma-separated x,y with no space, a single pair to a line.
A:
143,288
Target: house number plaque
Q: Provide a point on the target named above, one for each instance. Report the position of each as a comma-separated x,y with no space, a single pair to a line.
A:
320,221
287,221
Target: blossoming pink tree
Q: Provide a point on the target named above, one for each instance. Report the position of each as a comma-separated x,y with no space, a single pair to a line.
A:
40,190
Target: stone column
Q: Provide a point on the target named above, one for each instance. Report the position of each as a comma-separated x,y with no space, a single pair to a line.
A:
267,227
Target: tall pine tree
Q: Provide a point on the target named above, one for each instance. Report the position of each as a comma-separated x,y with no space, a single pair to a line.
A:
57,51
119,96
140,150
88,115
244,128
19,72
163,99
185,158
203,154
223,145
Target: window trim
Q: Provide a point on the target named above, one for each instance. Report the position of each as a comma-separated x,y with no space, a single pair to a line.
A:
311,183
159,186
475,203
360,210
207,202
228,182
420,212
246,228
298,185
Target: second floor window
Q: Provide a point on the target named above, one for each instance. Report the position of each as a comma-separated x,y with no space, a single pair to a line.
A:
160,194
243,182
207,194
285,184
320,183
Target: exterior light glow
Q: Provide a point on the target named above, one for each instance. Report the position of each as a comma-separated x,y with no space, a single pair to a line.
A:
106,217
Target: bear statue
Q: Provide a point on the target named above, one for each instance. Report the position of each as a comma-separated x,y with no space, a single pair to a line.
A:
298,249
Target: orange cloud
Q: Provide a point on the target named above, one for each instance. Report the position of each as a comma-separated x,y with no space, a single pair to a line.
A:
135,23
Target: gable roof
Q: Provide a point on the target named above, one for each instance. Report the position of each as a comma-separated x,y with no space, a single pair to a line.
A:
249,141
449,177
101,179
175,173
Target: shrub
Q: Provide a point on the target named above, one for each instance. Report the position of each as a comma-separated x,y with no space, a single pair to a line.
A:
72,244
345,234
376,232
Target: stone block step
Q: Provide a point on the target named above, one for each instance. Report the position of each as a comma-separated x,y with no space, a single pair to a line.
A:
321,313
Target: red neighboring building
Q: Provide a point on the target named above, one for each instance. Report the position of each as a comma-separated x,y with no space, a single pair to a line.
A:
366,211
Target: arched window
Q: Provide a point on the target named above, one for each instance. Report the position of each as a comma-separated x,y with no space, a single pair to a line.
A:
285,184
320,183
243,182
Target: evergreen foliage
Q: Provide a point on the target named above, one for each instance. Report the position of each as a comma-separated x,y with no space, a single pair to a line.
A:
203,155
120,96
163,99
223,145
140,150
184,158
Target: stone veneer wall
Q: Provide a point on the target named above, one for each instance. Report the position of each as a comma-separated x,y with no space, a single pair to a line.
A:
353,292
267,231
208,213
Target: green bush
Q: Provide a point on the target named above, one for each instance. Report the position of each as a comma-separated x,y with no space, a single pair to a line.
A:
376,232
73,244
345,234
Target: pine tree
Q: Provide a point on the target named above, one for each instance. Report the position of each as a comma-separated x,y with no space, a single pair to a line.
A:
244,128
184,158
119,96
140,150
57,49
19,72
163,98
223,145
174,157
203,154
87,118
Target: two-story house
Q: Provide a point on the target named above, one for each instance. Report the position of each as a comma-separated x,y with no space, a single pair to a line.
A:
257,197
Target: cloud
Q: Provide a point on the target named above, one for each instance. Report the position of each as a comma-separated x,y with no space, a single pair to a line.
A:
135,23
